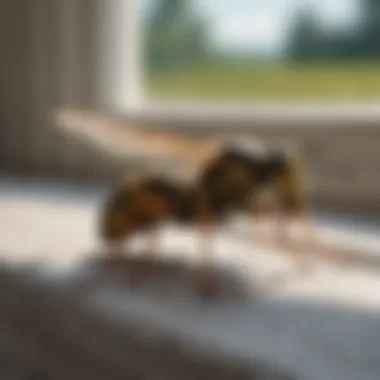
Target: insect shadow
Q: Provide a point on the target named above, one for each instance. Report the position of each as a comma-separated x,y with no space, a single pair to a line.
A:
168,277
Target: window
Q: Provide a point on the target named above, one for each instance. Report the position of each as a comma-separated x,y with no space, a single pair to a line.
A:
256,51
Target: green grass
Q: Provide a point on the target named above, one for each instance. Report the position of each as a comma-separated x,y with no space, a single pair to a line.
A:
318,82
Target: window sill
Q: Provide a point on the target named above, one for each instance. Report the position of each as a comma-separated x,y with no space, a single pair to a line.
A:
274,114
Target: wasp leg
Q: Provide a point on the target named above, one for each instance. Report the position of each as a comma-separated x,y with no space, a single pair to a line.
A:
308,226
325,249
257,216
208,280
114,251
107,267
153,244
118,226
288,245
261,212
146,265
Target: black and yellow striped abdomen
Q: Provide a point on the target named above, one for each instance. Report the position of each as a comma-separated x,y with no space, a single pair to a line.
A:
136,206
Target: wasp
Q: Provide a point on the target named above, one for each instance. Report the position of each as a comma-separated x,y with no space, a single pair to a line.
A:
229,178
228,183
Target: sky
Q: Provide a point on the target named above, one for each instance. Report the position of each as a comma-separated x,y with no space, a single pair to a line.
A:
263,25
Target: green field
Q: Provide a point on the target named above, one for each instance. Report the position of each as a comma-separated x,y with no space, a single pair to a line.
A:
318,82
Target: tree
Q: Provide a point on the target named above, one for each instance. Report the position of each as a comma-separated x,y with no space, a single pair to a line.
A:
369,42
176,35
304,39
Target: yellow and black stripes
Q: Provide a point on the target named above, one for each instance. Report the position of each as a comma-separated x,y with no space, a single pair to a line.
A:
227,184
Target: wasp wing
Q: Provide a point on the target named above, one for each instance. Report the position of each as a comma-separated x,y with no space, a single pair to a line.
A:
173,153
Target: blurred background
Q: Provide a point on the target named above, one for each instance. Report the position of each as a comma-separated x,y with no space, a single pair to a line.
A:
272,50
